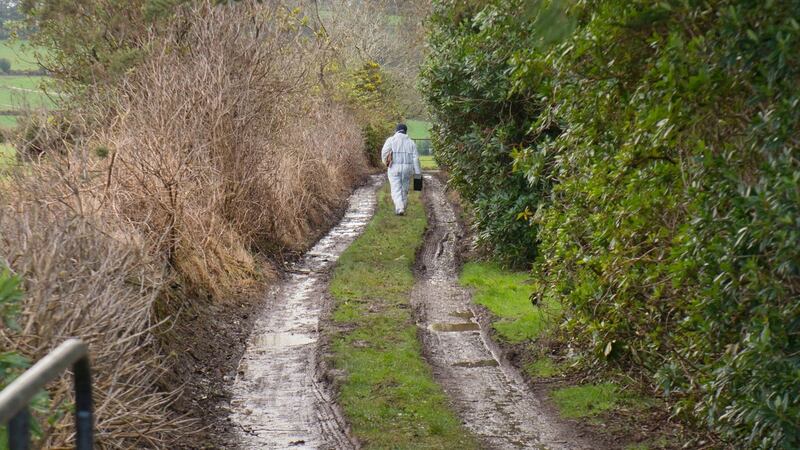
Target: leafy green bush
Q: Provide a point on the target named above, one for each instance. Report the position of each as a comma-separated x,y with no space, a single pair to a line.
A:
674,230
481,118
659,144
10,296
12,364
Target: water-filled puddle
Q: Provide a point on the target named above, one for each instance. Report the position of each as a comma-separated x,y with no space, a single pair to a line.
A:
463,314
277,340
456,327
479,363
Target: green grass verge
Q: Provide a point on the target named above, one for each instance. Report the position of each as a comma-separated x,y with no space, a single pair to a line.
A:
389,394
418,129
610,408
20,54
590,400
543,367
428,163
507,295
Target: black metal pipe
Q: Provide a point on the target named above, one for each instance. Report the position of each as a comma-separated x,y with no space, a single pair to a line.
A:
19,431
84,422
16,397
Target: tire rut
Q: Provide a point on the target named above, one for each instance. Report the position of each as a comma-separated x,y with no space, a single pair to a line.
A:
489,395
279,397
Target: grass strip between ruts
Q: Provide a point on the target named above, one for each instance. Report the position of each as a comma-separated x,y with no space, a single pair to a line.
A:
389,395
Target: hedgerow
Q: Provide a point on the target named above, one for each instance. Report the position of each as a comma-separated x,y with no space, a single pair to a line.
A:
480,119
659,143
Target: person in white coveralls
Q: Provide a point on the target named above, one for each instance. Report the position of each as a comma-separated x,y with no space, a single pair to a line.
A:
402,160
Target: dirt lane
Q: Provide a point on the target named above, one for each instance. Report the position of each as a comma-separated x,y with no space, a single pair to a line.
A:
489,395
279,400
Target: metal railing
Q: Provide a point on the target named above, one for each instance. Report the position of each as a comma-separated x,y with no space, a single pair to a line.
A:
16,397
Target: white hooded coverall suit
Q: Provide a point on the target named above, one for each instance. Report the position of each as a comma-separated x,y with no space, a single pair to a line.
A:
405,164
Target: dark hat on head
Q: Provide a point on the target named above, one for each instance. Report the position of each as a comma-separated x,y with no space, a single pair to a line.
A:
402,128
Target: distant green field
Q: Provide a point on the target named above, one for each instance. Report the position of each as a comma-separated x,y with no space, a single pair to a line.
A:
428,163
418,129
21,92
6,154
19,54
8,121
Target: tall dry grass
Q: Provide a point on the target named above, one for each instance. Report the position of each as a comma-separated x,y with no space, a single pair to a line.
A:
221,143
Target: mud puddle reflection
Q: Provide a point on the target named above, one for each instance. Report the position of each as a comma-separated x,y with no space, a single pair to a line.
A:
454,327
463,314
278,402
277,340
474,364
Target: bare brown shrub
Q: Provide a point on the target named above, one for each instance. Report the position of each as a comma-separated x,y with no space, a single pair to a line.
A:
221,143
89,273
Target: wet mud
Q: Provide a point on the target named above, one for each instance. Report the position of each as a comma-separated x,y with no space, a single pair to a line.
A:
489,395
279,397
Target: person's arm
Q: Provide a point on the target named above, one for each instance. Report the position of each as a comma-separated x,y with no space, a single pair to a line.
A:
386,152
417,168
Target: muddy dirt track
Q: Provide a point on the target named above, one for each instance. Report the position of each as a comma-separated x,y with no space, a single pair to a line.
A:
279,398
489,395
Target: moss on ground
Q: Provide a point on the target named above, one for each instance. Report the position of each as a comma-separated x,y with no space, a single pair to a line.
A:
543,367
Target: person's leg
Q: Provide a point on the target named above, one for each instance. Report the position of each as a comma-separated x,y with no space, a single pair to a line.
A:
396,184
406,184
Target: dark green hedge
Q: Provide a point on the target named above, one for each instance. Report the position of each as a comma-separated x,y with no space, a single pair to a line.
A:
480,120
659,146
